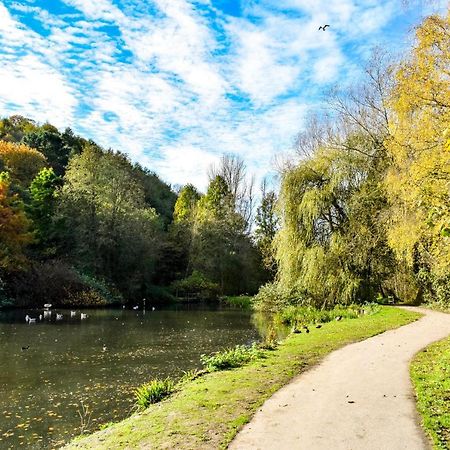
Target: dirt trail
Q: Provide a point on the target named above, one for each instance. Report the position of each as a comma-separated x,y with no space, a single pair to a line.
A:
359,397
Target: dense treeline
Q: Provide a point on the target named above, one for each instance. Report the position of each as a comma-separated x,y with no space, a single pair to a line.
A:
83,225
365,211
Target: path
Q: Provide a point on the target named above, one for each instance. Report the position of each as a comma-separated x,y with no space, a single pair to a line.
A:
359,398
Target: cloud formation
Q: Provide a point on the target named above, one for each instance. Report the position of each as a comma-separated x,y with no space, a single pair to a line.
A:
175,83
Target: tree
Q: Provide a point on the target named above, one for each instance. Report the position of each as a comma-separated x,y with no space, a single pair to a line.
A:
14,230
186,203
233,172
418,181
13,129
112,233
42,205
21,161
266,228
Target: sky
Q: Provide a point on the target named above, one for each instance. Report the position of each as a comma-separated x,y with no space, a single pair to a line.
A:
177,83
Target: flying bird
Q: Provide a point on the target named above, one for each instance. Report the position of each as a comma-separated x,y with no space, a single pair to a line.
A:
324,27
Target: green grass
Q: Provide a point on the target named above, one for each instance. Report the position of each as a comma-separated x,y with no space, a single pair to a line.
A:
304,315
430,373
153,392
208,411
231,357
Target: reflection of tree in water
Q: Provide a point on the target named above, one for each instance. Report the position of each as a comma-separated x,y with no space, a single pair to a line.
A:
265,323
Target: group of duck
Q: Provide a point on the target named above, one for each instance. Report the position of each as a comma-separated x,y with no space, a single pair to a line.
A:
48,314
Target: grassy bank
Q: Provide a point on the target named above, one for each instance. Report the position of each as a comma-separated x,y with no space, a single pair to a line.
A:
209,411
430,371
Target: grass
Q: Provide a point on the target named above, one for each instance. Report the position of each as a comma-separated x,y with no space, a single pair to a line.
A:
153,392
430,374
304,315
231,357
208,411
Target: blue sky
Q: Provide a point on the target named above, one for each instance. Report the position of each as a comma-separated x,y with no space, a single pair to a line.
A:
176,83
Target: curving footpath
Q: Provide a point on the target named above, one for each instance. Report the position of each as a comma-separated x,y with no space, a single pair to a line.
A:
359,398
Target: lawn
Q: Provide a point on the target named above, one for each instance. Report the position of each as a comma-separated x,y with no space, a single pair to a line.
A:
430,373
207,412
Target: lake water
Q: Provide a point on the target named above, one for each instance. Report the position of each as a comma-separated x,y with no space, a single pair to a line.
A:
91,367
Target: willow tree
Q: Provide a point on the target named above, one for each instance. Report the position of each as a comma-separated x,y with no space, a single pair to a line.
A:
418,183
329,248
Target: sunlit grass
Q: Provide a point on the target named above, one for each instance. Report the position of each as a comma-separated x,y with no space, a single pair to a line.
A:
430,373
153,392
208,411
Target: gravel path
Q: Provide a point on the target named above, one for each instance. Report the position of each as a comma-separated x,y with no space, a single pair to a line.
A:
359,397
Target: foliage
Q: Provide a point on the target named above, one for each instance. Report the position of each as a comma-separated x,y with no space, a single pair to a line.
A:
186,203
157,194
15,233
153,392
331,246
231,358
418,181
58,283
304,315
21,161
112,232
195,284
13,129
429,374
42,204
267,224
220,246
240,301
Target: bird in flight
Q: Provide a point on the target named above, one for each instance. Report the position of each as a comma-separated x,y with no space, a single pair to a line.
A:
323,28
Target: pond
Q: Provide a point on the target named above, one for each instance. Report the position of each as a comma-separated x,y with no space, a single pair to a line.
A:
56,374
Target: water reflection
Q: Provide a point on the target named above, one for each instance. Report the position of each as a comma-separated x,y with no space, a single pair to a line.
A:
52,369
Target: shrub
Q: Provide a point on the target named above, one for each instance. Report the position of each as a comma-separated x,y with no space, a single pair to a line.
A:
241,301
231,357
197,284
273,297
153,392
60,284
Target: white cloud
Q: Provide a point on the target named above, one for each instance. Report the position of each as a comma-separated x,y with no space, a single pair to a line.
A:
180,82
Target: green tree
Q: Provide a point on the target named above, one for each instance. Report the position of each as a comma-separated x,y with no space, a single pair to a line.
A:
266,228
186,203
113,233
42,205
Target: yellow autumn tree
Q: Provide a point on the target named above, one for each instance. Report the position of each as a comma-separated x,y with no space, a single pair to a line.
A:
21,162
418,183
14,229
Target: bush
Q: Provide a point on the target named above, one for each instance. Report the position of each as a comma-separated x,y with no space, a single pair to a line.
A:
241,301
197,285
231,358
60,284
153,392
273,297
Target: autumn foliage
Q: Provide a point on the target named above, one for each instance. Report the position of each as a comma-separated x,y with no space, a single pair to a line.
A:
14,230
